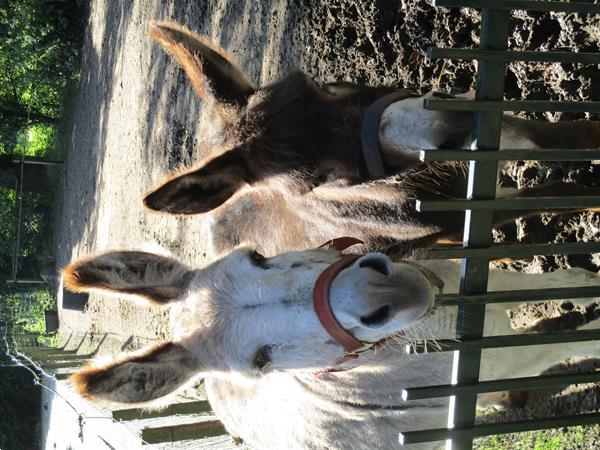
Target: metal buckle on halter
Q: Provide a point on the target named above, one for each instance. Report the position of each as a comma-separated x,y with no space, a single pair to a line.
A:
359,351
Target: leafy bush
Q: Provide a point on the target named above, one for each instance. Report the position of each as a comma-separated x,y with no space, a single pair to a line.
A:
40,43
39,54
36,140
36,230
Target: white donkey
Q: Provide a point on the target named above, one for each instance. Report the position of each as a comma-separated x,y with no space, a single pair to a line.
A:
261,332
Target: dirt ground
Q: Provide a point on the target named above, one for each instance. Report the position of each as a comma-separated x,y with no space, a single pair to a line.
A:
136,118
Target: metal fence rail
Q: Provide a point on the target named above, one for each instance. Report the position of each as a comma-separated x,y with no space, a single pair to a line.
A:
420,393
513,340
583,201
530,5
525,295
514,250
510,105
478,248
492,55
468,433
509,155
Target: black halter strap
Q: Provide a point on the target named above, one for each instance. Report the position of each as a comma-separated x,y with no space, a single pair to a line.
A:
369,132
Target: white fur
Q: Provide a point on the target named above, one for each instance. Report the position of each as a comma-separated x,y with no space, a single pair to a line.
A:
347,410
407,127
233,307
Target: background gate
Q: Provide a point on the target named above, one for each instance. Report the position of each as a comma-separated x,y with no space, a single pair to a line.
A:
478,248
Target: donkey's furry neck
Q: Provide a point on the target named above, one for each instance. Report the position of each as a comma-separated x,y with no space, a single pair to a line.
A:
340,407
381,213
362,407
314,412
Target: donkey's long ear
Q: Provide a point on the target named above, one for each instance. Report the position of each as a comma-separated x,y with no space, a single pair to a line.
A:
156,278
204,189
138,378
211,70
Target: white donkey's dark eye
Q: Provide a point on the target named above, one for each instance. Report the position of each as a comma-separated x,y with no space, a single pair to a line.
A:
258,259
262,358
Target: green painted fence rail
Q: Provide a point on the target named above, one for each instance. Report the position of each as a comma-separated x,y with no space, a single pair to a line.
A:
173,433
509,340
531,5
57,364
520,296
49,351
192,407
537,382
60,376
509,105
69,357
414,437
512,155
510,56
513,250
504,204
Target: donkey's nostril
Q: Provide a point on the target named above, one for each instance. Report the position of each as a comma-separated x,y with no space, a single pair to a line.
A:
378,317
376,264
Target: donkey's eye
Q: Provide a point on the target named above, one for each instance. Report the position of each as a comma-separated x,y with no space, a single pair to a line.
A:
258,260
323,177
262,358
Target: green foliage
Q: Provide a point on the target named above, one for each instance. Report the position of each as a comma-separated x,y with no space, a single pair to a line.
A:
569,438
22,310
35,230
40,42
36,140
39,55
32,315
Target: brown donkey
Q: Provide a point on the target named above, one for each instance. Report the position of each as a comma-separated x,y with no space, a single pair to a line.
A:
294,163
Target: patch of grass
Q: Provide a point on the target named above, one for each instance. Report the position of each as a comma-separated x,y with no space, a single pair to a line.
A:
568,438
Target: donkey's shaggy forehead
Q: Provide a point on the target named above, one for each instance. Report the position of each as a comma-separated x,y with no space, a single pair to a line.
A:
235,306
238,282
234,285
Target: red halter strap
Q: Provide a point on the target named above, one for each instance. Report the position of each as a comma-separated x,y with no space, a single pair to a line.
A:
322,306
342,243
321,303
